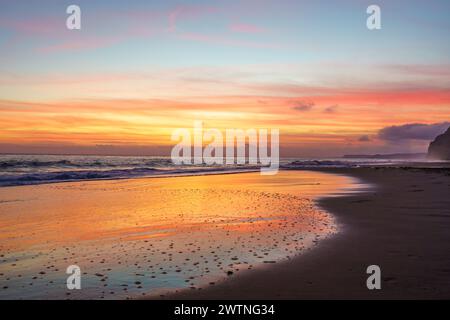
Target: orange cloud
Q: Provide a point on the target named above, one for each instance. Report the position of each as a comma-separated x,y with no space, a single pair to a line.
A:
140,122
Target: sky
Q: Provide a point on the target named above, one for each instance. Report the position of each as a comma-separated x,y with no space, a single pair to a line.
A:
137,70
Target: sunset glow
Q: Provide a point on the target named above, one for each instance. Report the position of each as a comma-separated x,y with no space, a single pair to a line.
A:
122,83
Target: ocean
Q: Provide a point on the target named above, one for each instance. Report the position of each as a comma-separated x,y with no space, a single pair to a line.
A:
16,170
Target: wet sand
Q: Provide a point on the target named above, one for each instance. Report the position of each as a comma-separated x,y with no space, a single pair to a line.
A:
151,237
403,225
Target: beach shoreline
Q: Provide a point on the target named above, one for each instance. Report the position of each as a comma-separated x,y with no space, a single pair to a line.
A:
401,225
146,237
399,220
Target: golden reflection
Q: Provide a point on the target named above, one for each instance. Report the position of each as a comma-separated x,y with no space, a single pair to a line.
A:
176,230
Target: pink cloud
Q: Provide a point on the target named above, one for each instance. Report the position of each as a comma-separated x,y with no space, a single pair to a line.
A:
135,24
79,43
246,28
187,12
45,26
432,70
64,40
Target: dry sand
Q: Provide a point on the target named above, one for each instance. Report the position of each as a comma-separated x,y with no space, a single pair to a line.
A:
403,226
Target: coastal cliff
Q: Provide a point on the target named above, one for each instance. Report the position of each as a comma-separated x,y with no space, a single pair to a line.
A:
439,148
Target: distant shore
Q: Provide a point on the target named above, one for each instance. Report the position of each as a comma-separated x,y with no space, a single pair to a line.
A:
402,225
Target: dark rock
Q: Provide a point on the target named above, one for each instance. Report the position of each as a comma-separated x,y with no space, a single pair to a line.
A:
439,149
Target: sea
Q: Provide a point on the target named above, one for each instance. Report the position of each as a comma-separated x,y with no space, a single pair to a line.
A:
17,170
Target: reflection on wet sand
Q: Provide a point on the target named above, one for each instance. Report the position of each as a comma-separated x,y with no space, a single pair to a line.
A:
151,236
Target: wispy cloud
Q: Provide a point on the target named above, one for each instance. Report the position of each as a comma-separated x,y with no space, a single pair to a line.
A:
421,69
246,28
127,25
303,105
182,13
81,43
44,26
331,109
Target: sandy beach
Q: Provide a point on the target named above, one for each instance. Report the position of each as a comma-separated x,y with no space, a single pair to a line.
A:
296,235
402,225
154,236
